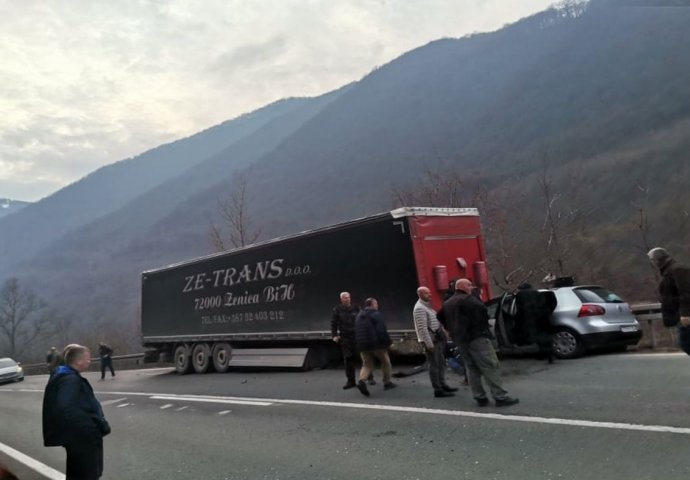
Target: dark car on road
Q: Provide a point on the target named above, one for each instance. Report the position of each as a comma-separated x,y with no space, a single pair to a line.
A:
586,317
10,371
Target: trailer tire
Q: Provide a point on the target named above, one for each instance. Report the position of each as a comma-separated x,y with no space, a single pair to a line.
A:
201,358
183,362
222,353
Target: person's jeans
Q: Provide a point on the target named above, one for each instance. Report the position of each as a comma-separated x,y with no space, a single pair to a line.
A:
368,364
107,362
437,365
84,460
684,338
481,361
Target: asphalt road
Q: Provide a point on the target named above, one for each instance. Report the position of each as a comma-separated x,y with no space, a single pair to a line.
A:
600,417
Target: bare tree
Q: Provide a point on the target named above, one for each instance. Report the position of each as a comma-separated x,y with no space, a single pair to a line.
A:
20,319
438,188
236,228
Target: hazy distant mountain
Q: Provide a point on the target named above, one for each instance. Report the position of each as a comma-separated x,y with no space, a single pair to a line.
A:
8,206
599,95
112,187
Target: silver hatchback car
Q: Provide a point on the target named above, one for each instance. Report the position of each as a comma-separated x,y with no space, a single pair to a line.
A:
589,317
586,317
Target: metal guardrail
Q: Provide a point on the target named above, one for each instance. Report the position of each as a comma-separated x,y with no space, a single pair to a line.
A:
649,316
39,368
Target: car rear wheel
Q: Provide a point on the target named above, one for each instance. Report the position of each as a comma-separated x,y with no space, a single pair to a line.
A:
567,344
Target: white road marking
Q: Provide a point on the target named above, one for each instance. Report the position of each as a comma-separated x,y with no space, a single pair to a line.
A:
399,408
182,408
38,467
115,400
166,406
123,405
224,412
194,398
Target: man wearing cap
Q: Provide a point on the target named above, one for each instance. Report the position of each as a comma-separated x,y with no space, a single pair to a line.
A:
674,292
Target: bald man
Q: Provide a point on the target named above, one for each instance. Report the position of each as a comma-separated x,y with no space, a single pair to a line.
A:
468,323
432,338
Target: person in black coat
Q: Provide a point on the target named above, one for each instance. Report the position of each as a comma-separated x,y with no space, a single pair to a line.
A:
372,342
674,293
73,418
343,333
533,320
467,321
106,354
53,360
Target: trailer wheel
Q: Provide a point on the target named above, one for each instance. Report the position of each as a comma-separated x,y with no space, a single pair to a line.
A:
222,353
201,357
183,363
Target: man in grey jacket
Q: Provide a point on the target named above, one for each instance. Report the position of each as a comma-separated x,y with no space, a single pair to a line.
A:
432,338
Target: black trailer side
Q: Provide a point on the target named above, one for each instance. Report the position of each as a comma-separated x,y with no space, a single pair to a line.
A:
278,293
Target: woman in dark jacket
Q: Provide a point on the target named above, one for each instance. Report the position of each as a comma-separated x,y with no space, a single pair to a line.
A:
373,341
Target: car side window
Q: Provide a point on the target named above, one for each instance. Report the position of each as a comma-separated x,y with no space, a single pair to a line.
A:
597,295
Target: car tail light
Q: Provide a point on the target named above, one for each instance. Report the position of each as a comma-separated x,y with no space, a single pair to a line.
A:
591,310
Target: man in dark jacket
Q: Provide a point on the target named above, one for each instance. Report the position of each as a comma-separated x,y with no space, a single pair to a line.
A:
73,418
343,333
372,342
533,319
467,321
674,292
53,359
106,354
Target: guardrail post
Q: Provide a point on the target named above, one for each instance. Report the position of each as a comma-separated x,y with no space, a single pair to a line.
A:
653,332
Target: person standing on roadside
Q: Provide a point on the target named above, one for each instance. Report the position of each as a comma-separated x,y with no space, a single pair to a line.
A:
106,354
674,292
534,318
467,320
73,418
373,342
343,333
53,359
431,336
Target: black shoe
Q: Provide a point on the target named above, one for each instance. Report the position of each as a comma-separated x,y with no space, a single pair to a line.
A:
362,387
506,401
349,384
448,388
389,386
443,393
371,381
482,402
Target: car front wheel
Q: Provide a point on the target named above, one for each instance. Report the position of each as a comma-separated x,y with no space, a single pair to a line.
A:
567,344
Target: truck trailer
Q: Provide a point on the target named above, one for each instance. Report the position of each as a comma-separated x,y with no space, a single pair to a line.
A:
274,299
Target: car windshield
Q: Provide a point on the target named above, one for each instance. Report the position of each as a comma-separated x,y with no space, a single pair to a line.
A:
6,362
597,295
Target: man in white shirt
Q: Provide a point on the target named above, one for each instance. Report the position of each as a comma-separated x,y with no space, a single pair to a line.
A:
430,334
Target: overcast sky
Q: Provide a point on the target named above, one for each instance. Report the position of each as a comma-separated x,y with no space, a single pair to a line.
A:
85,83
